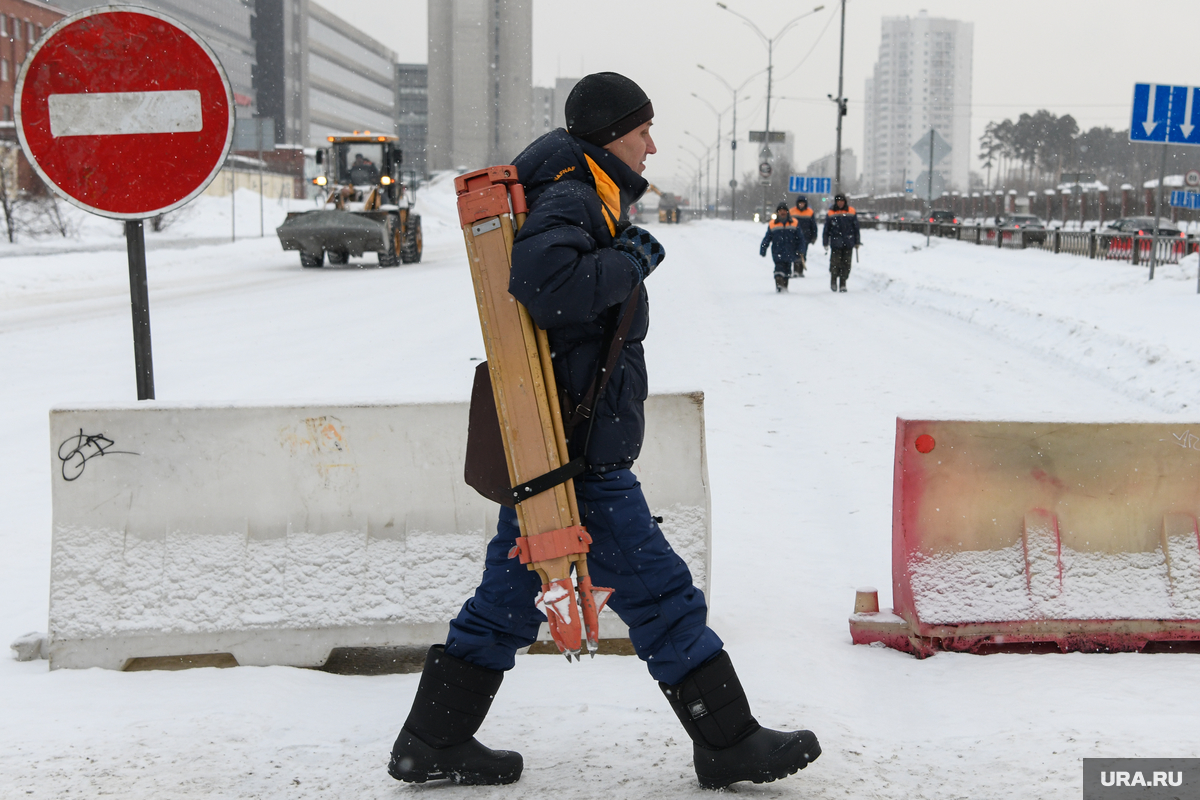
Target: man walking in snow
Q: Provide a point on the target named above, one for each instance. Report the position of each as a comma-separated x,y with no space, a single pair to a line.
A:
786,241
808,226
841,234
577,265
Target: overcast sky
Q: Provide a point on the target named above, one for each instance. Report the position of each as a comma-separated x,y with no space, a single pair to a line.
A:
1078,57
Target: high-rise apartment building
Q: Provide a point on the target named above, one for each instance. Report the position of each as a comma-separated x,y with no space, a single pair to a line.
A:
480,81
412,113
922,80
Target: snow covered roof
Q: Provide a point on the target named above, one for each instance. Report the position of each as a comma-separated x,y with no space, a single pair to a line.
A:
1170,180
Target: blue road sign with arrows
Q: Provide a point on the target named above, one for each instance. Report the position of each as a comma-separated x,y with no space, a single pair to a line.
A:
1164,113
1185,199
803,185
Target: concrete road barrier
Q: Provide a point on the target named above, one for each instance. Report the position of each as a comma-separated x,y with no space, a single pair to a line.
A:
276,534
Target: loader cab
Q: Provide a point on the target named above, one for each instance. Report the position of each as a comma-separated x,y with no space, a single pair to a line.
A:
365,160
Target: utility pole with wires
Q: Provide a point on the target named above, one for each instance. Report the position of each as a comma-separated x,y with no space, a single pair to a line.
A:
841,104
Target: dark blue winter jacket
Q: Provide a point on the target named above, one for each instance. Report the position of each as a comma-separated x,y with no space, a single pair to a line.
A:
786,240
841,229
566,272
808,222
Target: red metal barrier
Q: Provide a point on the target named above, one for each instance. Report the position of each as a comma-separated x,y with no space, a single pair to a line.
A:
1022,535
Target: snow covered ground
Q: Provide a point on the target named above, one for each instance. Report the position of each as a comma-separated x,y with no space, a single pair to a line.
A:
802,391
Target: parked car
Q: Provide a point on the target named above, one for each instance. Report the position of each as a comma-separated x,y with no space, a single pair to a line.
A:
1032,228
1141,226
868,218
940,217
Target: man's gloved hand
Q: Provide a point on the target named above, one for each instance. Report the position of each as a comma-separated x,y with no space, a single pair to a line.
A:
640,248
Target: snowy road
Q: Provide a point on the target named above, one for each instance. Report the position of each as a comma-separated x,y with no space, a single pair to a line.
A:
802,391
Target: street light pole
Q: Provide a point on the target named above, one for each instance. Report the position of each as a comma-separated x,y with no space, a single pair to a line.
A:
733,135
770,43
707,164
699,173
717,179
841,103
766,151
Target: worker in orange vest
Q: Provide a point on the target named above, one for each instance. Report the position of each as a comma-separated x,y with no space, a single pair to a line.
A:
808,226
786,242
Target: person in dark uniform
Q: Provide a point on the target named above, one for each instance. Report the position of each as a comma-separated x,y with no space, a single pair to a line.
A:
786,242
363,171
808,226
575,261
840,235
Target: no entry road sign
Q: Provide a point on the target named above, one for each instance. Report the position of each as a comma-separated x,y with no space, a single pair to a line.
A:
1164,113
127,114
124,112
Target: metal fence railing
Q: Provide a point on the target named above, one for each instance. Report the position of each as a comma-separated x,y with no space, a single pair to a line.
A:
1090,244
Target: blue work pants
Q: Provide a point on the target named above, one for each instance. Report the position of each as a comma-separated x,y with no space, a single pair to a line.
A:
652,587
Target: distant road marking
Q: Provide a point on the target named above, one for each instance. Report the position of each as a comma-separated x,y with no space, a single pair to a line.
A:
123,113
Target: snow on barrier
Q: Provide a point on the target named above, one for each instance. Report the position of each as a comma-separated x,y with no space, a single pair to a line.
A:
276,534
1021,535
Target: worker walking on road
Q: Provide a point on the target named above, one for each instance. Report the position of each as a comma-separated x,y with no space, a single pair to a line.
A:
808,226
786,241
841,234
578,267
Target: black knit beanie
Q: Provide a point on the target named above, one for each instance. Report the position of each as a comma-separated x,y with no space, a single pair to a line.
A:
604,106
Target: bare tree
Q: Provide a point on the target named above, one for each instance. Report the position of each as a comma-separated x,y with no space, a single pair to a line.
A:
45,215
9,190
160,222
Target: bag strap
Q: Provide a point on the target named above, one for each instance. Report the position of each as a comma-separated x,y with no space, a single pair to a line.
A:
606,365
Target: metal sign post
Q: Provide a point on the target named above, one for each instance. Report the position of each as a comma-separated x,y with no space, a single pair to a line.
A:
1168,114
931,148
139,301
107,103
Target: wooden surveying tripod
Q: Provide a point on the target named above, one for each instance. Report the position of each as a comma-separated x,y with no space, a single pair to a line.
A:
491,208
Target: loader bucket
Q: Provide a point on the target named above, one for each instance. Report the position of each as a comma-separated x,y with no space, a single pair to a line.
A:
1033,536
339,231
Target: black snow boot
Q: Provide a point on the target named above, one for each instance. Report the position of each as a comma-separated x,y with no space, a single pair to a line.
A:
728,743
841,284
781,282
437,740
833,282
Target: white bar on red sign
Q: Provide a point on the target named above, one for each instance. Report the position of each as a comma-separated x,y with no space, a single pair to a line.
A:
116,113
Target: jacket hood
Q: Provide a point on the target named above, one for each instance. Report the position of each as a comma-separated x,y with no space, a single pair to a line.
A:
558,156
